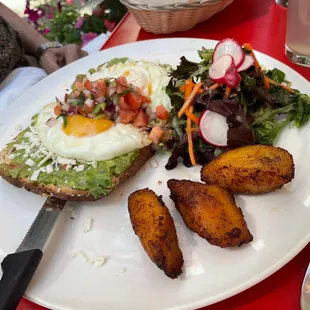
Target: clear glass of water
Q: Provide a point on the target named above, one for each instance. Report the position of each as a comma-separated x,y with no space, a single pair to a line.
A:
282,2
297,47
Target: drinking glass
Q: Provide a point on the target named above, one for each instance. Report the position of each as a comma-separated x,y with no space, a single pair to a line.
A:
282,2
297,47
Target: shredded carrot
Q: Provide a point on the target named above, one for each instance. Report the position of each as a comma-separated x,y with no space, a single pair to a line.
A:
227,92
192,117
283,86
201,90
182,88
196,129
214,86
189,100
190,138
266,82
188,88
249,48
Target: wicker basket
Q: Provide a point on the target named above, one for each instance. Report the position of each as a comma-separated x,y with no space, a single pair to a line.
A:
172,18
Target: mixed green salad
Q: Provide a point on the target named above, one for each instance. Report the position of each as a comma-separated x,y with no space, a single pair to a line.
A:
256,104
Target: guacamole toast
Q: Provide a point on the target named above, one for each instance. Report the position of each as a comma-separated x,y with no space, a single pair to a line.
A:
67,180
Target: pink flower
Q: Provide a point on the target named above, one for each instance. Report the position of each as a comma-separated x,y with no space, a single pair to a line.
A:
87,37
49,16
79,22
46,31
82,2
70,2
110,24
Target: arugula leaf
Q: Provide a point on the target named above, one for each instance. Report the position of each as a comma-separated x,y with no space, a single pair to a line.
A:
302,110
247,80
206,54
276,75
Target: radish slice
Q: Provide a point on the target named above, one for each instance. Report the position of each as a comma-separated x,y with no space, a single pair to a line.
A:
213,128
224,71
232,78
247,63
220,67
230,47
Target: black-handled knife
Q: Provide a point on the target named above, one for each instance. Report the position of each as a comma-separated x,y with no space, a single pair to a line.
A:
18,268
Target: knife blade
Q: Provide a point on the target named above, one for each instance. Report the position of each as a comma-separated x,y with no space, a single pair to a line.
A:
305,292
18,268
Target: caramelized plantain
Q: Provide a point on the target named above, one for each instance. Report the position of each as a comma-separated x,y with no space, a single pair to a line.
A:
210,211
153,224
252,169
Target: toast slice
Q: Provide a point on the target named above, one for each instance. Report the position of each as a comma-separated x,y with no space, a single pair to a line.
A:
93,182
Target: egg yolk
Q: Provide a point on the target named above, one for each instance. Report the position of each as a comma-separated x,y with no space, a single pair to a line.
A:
149,87
82,126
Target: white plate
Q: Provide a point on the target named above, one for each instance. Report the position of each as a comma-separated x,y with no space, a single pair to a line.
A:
278,221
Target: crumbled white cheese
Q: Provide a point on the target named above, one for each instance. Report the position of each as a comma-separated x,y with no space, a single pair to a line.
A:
83,255
98,261
49,169
79,168
66,161
35,175
93,164
18,127
29,162
88,225
21,146
46,158
68,167
12,156
153,163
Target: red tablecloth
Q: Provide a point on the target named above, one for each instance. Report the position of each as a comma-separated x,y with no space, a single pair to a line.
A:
262,23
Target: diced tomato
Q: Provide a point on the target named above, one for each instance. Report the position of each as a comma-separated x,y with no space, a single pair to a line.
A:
121,84
127,116
123,105
141,119
57,110
161,112
122,80
79,86
134,100
85,109
101,85
88,85
155,134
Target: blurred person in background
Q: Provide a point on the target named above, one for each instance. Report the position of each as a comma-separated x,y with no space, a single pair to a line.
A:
26,56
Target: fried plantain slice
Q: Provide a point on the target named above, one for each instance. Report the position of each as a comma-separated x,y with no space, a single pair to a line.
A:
153,224
210,211
252,169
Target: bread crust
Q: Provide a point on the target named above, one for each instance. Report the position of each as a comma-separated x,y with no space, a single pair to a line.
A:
66,192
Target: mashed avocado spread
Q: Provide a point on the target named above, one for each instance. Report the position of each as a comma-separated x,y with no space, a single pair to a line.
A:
95,177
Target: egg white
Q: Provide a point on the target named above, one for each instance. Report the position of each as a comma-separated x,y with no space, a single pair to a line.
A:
116,141
141,74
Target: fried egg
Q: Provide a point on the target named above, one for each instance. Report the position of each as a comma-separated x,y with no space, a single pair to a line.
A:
150,77
88,139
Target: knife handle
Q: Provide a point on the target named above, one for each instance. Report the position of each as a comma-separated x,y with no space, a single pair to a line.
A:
18,269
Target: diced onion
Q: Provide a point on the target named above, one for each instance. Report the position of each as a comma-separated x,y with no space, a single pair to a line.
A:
51,122
100,99
65,107
88,102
